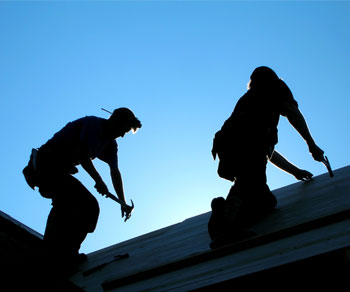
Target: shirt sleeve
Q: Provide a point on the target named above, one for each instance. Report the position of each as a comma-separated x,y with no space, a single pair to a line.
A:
285,96
110,154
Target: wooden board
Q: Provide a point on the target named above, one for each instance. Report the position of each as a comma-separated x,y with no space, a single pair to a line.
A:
303,208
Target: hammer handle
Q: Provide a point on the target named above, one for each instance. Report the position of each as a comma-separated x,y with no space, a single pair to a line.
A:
114,198
328,165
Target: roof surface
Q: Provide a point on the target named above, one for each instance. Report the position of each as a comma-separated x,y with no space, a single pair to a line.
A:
16,232
311,218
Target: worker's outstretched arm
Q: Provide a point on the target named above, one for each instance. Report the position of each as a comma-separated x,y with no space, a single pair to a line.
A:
282,163
297,120
118,186
89,167
117,182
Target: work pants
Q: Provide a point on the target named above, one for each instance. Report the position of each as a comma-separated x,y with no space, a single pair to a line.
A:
74,211
248,199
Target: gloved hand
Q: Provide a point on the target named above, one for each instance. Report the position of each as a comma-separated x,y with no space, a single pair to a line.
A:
303,175
101,187
316,152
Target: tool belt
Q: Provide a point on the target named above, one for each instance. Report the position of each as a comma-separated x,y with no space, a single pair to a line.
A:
39,164
29,171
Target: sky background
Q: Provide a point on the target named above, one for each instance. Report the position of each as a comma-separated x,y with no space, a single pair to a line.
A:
181,67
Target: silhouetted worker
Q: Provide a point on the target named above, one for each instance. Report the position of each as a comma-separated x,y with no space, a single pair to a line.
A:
75,210
244,145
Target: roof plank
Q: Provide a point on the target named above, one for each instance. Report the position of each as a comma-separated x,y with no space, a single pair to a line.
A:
303,209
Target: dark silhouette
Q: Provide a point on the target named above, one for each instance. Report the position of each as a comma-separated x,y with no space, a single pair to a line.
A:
75,210
244,144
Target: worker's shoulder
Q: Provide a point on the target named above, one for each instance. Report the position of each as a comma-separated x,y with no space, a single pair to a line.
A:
90,119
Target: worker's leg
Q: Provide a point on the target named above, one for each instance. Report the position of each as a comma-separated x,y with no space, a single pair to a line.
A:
251,193
74,214
250,197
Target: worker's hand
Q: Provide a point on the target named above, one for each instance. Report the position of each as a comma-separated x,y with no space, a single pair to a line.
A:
316,152
303,175
126,212
101,187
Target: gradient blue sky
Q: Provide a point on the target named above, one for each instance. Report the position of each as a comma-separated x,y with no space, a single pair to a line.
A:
180,66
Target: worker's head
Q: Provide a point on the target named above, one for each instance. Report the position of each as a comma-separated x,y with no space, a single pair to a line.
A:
122,121
262,77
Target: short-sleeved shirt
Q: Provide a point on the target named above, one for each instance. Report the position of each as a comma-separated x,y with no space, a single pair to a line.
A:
81,139
254,120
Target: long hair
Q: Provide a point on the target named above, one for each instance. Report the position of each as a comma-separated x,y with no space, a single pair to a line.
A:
262,77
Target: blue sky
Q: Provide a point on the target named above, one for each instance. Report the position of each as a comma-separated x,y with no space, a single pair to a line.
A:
181,67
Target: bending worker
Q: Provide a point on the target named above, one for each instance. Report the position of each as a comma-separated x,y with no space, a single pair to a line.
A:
75,210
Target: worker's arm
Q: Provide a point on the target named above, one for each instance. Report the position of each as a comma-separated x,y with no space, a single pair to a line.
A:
296,118
282,163
117,182
118,186
89,167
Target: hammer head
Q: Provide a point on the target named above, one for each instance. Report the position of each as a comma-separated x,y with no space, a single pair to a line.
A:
130,209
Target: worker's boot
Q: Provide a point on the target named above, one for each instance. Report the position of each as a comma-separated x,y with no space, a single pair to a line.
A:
216,221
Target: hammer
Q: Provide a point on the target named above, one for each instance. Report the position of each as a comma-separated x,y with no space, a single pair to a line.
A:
123,204
328,165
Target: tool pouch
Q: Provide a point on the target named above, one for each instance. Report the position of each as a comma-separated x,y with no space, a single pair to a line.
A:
29,171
